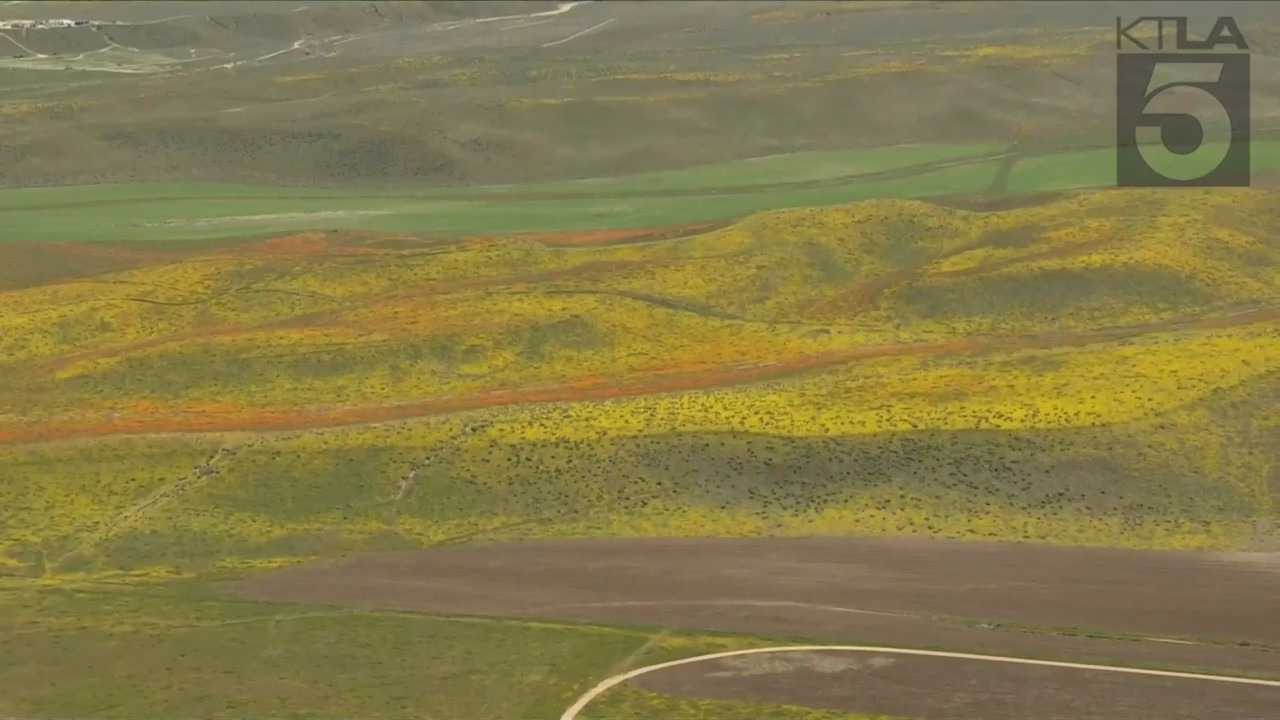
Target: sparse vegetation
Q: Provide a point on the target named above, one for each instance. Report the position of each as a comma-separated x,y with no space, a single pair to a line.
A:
174,651
742,276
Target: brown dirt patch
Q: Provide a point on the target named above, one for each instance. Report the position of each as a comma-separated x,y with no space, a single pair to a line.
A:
31,264
620,236
1265,179
300,244
883,591
956,689
997,203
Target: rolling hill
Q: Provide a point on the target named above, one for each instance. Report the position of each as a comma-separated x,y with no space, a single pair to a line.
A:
1098,368
359,94
285,282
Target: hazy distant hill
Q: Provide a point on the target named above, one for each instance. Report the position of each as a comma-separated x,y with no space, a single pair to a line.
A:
437,93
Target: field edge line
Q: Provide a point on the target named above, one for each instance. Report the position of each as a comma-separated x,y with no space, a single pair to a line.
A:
572,712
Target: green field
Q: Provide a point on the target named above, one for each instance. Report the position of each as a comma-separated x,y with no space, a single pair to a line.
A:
194,211
1094,168
191,211
184,650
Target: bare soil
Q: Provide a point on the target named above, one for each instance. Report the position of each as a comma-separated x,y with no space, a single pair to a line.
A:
996,202
956,689
1084,603
230,219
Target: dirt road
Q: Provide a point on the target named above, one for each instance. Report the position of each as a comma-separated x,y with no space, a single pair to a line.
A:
1258,699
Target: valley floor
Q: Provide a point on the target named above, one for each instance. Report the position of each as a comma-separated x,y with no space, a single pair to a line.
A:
1128,608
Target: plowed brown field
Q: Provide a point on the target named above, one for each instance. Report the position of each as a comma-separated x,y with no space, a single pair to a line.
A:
957,689
1087,604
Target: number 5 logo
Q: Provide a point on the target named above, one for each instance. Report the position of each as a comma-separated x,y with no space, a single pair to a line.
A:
1178,145
1190,130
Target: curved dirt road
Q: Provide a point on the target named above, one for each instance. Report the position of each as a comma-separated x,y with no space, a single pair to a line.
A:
601,687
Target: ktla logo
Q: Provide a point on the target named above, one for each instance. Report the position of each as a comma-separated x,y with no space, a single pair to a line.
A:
1182,112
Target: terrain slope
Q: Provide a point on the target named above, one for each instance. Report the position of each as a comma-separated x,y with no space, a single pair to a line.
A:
1100,368
286,282
360,94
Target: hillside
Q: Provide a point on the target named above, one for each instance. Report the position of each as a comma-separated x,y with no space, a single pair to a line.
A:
626,359
1100,368
360,94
